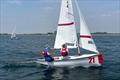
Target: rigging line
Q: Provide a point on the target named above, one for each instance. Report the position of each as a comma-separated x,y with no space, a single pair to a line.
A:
77,8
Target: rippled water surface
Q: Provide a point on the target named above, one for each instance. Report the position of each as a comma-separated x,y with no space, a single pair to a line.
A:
17,55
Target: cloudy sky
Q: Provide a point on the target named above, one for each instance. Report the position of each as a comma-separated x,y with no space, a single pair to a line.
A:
41,16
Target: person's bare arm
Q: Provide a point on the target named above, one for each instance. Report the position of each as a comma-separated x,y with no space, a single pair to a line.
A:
48,53
67,50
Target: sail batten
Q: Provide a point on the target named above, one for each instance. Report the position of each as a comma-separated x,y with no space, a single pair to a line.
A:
85,36
66,24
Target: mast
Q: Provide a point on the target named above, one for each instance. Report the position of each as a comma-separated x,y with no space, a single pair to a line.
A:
79,16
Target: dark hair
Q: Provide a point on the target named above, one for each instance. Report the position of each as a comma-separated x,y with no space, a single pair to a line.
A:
64,45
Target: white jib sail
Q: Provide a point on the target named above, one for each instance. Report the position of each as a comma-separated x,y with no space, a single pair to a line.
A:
85,41
66,32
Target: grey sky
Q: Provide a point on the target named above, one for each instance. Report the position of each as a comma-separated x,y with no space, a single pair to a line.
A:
41,16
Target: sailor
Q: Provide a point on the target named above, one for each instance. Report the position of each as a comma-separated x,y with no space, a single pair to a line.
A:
64,51
47,55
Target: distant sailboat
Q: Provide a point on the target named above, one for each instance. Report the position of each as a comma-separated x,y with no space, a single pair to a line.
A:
13,34
66,33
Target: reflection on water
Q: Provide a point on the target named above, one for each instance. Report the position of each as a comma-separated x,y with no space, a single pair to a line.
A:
72,74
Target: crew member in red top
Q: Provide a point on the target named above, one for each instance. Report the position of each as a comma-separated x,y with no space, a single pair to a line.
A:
64,50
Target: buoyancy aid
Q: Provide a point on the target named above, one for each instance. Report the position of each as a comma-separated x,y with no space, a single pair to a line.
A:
64,52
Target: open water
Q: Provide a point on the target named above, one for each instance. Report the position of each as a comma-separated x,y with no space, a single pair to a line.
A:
17,56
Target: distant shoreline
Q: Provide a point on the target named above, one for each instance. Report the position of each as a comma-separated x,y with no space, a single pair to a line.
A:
94,34
108,34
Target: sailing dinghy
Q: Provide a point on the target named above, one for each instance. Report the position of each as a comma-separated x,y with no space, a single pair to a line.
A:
66,33
13,35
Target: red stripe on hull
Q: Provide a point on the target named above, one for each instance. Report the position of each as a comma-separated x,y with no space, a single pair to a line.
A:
66,24
85,36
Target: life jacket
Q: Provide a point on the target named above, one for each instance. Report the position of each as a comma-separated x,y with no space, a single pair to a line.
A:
64,52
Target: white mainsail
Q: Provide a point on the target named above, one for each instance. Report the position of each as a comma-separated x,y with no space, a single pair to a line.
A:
13,35
66,32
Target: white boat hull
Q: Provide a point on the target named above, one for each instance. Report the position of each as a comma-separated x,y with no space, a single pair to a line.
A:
85,60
